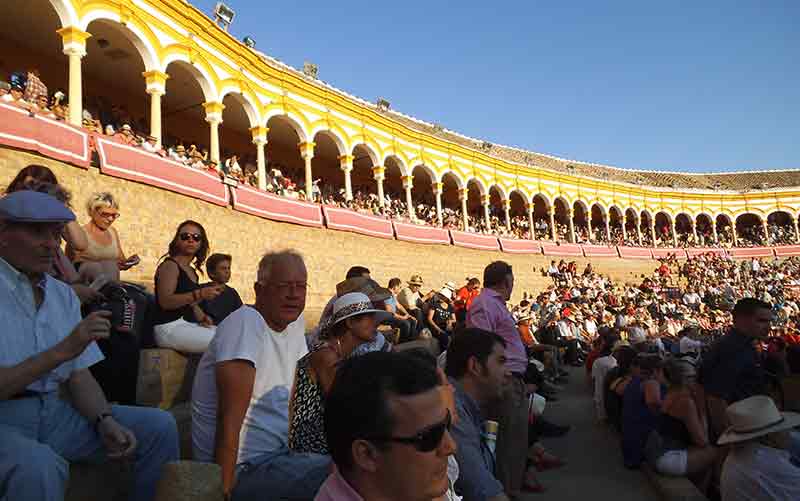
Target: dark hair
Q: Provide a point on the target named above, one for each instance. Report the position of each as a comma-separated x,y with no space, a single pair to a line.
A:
608,344
473,281
677,371
356,407
749,305
356,271
215,259
648,362
495,273
39,173
625,356
468,343
394,282
202,251
423,355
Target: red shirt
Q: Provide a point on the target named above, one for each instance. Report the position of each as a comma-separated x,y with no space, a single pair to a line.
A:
464,298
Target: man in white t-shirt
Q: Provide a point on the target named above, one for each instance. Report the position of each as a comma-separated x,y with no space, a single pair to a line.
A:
242,388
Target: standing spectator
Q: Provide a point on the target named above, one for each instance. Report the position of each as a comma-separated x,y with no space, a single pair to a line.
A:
218,268
489,312
600,369
388,427
46,344
240,397
34,87
180,322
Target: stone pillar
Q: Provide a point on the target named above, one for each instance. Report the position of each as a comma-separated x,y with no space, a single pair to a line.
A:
735,236
259,135
156,86
694,232
551,212
463,195
408,183
485,199
379,173
74,42
674,234
214,119
437,192
766,230
796,232
653,231
638,231
507,210
624,229
307,153
608,227
714,231
530,221
571,235
346,164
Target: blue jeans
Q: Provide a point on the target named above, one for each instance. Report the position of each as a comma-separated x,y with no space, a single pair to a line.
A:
281,476
39,436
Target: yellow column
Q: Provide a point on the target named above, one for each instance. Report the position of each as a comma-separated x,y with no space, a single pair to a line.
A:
156,86
408,183
766,231
379,173
624,229
463,195
214,119
507,209
74,42
307,152
608,227
437,191
714,231
653,230
485,200
259,135
346,164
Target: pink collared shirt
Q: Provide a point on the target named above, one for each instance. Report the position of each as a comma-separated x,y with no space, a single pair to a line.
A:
489,312
336,488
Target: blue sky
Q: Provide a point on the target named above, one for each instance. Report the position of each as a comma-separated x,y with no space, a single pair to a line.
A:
682,85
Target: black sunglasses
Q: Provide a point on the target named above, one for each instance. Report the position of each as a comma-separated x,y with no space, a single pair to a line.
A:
425,440
194,236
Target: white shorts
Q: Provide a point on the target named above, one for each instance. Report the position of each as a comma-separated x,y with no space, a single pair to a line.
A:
184,336
673,463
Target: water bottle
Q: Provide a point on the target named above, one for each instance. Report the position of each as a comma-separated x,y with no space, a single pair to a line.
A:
491,435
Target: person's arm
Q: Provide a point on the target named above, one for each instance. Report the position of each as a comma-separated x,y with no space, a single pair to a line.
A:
167,282
324,364
235,380
652,395
691,418
75,236
431,323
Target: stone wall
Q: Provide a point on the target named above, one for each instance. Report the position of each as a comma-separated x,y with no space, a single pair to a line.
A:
149,217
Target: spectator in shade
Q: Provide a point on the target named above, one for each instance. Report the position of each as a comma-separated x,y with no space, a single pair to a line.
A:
34,87
440,317
240,397
180,322
218,267
387,424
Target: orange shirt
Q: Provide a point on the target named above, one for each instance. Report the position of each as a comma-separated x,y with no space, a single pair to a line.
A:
464,298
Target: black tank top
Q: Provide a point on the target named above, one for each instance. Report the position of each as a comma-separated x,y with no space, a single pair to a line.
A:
674,432
185,284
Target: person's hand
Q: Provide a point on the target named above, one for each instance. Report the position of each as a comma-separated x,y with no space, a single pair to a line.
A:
86,294
120,442
96,325
210,292
206,321
448,394
129,263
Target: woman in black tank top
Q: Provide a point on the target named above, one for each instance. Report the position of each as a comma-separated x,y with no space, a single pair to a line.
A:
181,324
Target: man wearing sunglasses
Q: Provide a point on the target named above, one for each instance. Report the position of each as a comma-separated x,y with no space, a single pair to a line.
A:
476,366
387,425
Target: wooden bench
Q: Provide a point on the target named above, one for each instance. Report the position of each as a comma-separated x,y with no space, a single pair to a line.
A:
673,488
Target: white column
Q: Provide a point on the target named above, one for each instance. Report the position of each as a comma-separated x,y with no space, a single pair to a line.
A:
408,183
530,222
796,232
551,212
638,230
74,43
571,236
653,230
155,86
674,234
437,192
346,164
259,135
485,199
766,231
714,231
379,174
307,152
507,210
214,119
608,227
463,195
624,229
694,232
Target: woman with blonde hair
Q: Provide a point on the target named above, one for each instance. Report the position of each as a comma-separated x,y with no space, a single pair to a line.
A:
103,254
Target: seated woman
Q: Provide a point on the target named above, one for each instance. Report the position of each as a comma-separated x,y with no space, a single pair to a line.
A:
641,404
352,325
679,444
179,321
103,255
441,319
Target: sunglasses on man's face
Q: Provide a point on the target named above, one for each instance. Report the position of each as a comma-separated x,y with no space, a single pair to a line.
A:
185,236
425,440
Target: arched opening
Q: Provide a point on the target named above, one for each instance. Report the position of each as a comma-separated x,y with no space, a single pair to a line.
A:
749,231
451,202
326,174
183,118
684,230
365,188
705,232
664,230
422,191
285,166
393,189
475,207
541,218
497,213
646,227
616,222
780,225
561,216
520,226
724,230
598,224
580,222
631,226
237,151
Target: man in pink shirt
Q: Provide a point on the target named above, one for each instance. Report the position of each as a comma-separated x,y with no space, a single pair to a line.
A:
489,312
387,422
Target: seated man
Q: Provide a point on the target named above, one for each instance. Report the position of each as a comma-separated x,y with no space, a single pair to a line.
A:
387,424
45,344
218,267
476,366
240,398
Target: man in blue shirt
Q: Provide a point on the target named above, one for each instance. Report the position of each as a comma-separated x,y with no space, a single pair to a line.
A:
45,345
476,366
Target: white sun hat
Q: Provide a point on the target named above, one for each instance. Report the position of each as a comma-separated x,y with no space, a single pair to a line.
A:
755,417
353,304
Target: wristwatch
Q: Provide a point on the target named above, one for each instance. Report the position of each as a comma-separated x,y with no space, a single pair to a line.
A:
99,419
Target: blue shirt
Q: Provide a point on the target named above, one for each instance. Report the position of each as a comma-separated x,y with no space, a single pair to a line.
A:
476,482
28,331
732,369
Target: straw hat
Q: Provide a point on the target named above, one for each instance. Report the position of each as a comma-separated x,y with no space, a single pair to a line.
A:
446,292
354,304
416,280
755,417
620,344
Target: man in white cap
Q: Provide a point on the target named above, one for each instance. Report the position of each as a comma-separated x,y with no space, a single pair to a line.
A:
46,344
759,467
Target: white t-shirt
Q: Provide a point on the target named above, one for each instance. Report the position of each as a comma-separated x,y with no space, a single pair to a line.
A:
600,369
245,335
